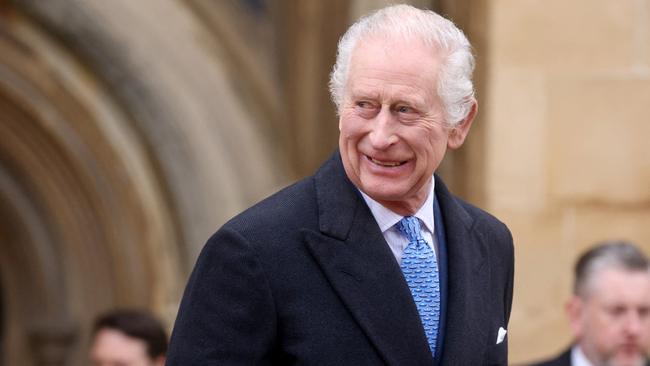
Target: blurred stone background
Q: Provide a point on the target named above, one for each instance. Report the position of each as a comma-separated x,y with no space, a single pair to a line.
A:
131,130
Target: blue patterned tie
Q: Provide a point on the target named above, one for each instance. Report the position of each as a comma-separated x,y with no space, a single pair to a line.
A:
420,270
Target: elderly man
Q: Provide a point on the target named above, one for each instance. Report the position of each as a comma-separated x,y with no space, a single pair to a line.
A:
609,311
371,261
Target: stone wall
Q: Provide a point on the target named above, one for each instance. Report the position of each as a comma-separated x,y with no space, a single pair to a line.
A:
568,85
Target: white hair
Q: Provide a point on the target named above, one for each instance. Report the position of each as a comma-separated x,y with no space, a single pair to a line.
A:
455,87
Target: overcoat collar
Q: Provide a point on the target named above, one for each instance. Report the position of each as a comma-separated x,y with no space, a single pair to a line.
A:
468,297
354,256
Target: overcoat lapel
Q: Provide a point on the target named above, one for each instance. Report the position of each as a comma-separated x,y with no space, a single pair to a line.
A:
467,319
355,258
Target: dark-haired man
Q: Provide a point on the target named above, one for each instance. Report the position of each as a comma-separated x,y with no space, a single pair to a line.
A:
128,338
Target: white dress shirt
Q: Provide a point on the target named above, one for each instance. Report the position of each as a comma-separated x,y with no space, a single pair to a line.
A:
578,358
386,219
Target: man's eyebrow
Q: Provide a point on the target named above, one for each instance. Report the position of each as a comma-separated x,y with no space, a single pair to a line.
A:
360,93
411,101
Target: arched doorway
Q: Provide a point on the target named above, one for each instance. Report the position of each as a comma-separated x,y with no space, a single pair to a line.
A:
84,225
115,165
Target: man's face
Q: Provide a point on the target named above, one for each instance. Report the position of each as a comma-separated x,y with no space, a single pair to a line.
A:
393,130
612,321
114,348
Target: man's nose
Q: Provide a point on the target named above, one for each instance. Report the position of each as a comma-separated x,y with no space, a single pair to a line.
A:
634,324
383,131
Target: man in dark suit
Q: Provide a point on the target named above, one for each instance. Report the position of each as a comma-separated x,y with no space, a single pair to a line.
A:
371,261
609,311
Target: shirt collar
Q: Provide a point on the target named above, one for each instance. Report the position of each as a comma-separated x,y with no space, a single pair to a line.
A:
578,357
386,218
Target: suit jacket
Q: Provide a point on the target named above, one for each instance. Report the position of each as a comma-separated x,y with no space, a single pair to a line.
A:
306,277
564,359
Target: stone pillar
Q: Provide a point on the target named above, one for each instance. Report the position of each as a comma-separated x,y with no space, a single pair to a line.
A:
307,34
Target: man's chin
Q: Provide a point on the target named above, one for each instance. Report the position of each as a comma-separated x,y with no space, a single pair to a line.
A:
381,191
627,359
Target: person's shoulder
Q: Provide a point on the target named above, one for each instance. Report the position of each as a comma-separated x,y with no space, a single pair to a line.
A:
563,359
481,220
290,206
552,362
297,205
478,214
477,221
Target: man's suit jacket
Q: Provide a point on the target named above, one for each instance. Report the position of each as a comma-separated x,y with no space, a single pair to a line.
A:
564,359
306,277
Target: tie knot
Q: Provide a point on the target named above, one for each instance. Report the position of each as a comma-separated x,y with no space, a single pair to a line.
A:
410,227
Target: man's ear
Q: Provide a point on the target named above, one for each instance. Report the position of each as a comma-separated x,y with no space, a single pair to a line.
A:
459,132
574,310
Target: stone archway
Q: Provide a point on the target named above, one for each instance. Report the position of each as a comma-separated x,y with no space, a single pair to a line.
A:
84,225
172,78
116,163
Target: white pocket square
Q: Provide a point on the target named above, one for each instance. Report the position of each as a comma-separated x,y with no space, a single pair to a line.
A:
501,335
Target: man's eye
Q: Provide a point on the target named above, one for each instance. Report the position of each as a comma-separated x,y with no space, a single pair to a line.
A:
404,109
366,109
616,311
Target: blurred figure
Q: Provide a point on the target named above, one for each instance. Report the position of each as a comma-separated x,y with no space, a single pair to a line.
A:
128,338
609,311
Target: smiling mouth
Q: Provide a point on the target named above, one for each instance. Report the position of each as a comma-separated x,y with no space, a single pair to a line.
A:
388,164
